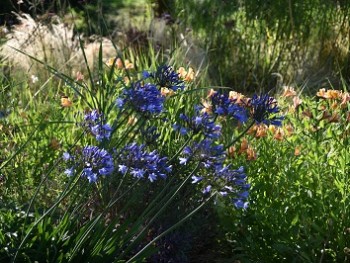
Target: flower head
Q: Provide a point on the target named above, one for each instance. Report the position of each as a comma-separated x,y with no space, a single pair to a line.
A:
92,161
134,159
224,106
206,152
263,109
145,98
200,122
166,77
94,121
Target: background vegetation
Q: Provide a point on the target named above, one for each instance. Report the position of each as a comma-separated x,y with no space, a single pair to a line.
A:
55,64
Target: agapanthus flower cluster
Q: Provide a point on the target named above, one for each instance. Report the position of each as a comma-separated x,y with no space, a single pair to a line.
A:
134,159
91,161
235,185
222,105
209,154
144,98
165,77
200,122
213,174
94,121
263,109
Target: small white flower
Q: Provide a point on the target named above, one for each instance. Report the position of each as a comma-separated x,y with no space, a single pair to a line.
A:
34,78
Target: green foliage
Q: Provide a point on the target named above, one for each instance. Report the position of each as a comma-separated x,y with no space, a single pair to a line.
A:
249,42
299,203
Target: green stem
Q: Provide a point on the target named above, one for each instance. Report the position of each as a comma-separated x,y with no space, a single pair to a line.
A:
240,136
170,229
158,213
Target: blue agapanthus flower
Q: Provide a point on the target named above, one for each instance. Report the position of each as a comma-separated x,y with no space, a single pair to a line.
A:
165,77
224,106
213,175
92,161
144,98
200,122
264,109
140,163
94,121
234,185
209,154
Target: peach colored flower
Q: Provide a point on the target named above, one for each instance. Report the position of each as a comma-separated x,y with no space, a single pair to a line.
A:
244,146
251,154
166,92
288,92
279,134
232,151
66,102
297,151
237,97
211,93
187,76
261,131
345,100
252,130
79,76
329,94
289,128
333,94
297,102
321,93
207,107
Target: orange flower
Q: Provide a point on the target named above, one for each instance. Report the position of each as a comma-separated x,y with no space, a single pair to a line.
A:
297,150
232,151
132,120
66,102
289,129
279,134
207,107
211,93
345,100
329,94
251,154
333,94
321,93
186,75
288,92
261,131
296,102
237,97
244,146
118,63
252,130
166,92
128,64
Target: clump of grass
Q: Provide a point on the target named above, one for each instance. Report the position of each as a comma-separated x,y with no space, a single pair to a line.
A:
53,43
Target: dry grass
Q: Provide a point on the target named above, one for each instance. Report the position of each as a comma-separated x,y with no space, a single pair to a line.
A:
54,44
